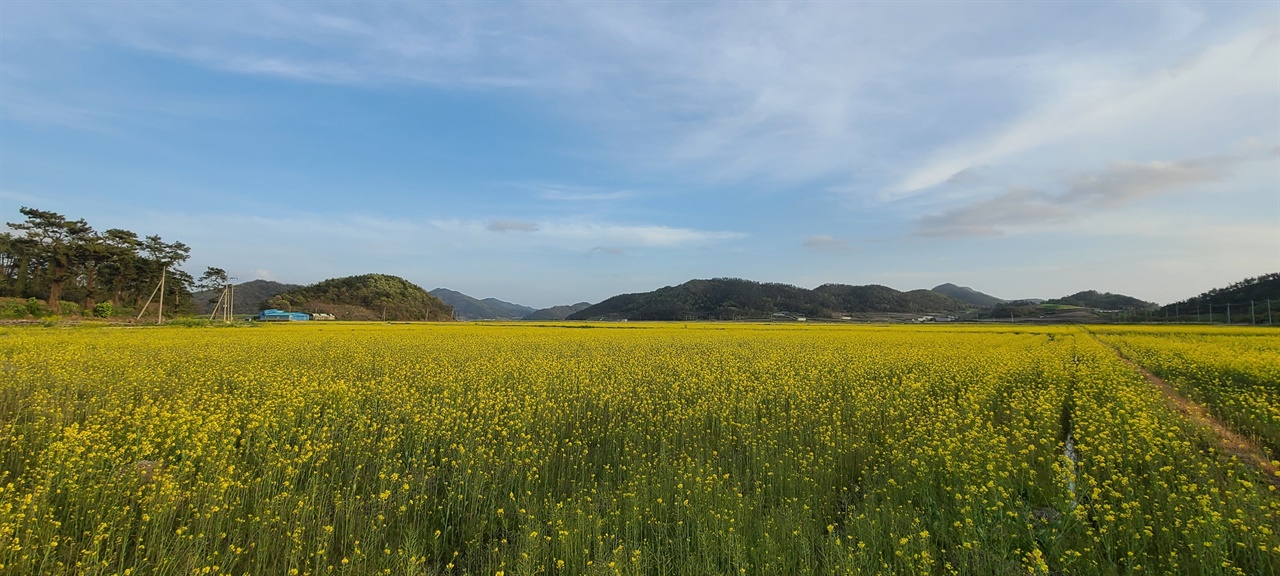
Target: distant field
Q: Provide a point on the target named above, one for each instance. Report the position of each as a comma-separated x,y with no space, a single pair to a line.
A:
631,448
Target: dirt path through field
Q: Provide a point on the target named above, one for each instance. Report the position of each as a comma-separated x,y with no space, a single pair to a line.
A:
1228,441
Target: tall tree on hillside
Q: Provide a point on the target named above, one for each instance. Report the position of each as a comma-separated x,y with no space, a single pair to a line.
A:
13,263
163,257
56,243
212,279
93,255
123,266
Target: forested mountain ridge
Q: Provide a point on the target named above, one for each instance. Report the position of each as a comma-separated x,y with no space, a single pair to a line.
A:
470,308
737,299
365,297
1263,288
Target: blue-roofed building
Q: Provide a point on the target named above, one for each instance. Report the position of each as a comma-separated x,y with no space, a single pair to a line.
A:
274,315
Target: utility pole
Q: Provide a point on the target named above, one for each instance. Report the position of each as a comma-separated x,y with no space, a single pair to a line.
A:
149,298
1268,311
160,314
1228,312
217,307
1253,318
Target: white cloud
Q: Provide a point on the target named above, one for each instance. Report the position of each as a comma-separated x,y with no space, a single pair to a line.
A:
1119,184
1098,108
825,243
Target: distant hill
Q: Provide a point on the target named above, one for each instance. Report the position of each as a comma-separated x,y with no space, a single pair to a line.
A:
468,308
1257,289
249,296
367,297
556,312
968,295
877,298
733,298
1102,300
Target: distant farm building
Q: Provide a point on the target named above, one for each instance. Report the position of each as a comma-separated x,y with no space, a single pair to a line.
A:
321,316
274,315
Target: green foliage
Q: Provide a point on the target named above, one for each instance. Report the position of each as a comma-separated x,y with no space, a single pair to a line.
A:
51,321
56,258
69,308
36,307
102,310
13,308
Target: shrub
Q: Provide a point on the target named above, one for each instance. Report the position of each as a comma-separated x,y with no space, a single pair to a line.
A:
36,308
102,310
51,321
13,308
69,308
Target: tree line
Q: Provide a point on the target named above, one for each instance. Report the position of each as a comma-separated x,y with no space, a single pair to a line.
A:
57,259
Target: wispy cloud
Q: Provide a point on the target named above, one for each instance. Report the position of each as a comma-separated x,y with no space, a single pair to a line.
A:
1118,184
588,196
573,234
511,226
825,243
576,193
1099,106
261,274
785,92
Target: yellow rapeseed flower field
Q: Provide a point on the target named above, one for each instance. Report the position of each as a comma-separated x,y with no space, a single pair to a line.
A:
1235,371
627,449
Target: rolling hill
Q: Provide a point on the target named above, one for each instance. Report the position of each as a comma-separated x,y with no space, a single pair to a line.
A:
735,299
1102,301
249,296
556,312
366,297
968,295
469,308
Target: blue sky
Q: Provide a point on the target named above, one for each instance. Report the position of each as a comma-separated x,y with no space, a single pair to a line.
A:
549,153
